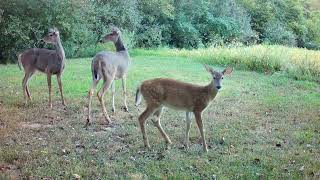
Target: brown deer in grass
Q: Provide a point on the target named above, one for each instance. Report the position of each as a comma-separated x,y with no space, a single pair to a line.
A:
109,66
44,60
162,92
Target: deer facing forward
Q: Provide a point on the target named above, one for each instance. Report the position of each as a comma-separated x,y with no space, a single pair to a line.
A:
161,92
43,60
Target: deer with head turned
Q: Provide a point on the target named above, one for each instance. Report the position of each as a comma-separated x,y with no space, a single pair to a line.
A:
44,60
109,66
162,92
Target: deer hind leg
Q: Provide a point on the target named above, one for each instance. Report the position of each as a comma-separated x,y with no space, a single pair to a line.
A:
90,93
188,128
60,88
142,119
100,94
200,126
49,87
124,94
158,125
113,91
26,91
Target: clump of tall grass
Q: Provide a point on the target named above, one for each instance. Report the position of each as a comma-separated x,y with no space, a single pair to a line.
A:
297,63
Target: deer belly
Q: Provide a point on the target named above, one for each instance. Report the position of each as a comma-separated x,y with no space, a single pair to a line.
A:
178,106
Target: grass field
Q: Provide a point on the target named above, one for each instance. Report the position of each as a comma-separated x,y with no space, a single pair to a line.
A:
269,122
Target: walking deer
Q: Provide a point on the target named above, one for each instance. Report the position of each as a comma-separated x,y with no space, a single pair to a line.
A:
162,92
43,60
109,66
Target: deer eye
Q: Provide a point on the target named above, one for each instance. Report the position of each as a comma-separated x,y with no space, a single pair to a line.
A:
214,77
222,78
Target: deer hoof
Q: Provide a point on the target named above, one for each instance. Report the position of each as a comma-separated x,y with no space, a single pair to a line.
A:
108,120
113,110
88,123
125,108
205,150
168,146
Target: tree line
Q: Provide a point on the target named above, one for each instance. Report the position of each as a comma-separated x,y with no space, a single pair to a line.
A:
156,23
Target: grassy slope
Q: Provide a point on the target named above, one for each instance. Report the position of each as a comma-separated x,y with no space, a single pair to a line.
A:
253,112
297,63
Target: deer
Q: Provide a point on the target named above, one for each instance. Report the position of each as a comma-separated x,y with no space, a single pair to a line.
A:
109,66
163,92
50,62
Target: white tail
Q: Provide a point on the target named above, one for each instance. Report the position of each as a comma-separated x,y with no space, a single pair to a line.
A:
138,97
178,95
19,61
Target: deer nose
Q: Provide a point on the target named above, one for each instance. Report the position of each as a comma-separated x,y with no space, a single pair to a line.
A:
218,87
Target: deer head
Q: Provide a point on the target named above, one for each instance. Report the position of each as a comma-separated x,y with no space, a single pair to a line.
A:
113,36
217,77
52,37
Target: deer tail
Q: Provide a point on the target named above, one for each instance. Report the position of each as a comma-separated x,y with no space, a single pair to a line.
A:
138,96
19,61
96,70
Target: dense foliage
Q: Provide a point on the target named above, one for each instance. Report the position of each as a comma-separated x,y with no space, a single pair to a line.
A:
153,23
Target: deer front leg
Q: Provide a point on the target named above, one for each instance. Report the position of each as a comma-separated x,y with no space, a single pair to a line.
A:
60,88
49,86
200,126
124,94
188,128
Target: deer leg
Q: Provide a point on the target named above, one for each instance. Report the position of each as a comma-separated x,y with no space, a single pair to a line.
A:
158,125
142,119
24,87
60,88
113,90
49,86
28,92
25,80
27,88
124,94
188,128
100,95
90,93
200,126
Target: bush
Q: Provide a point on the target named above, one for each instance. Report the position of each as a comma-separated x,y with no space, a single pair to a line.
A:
275,33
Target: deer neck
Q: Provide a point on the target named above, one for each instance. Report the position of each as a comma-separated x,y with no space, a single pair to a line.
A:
120,48
211,90
60,50
119,45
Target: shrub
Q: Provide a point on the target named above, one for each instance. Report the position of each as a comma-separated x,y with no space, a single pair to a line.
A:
276,33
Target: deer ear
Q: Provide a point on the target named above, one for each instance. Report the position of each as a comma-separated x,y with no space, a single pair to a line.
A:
227,70
208,68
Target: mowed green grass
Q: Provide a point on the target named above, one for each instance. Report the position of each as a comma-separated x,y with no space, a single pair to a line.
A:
270,126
